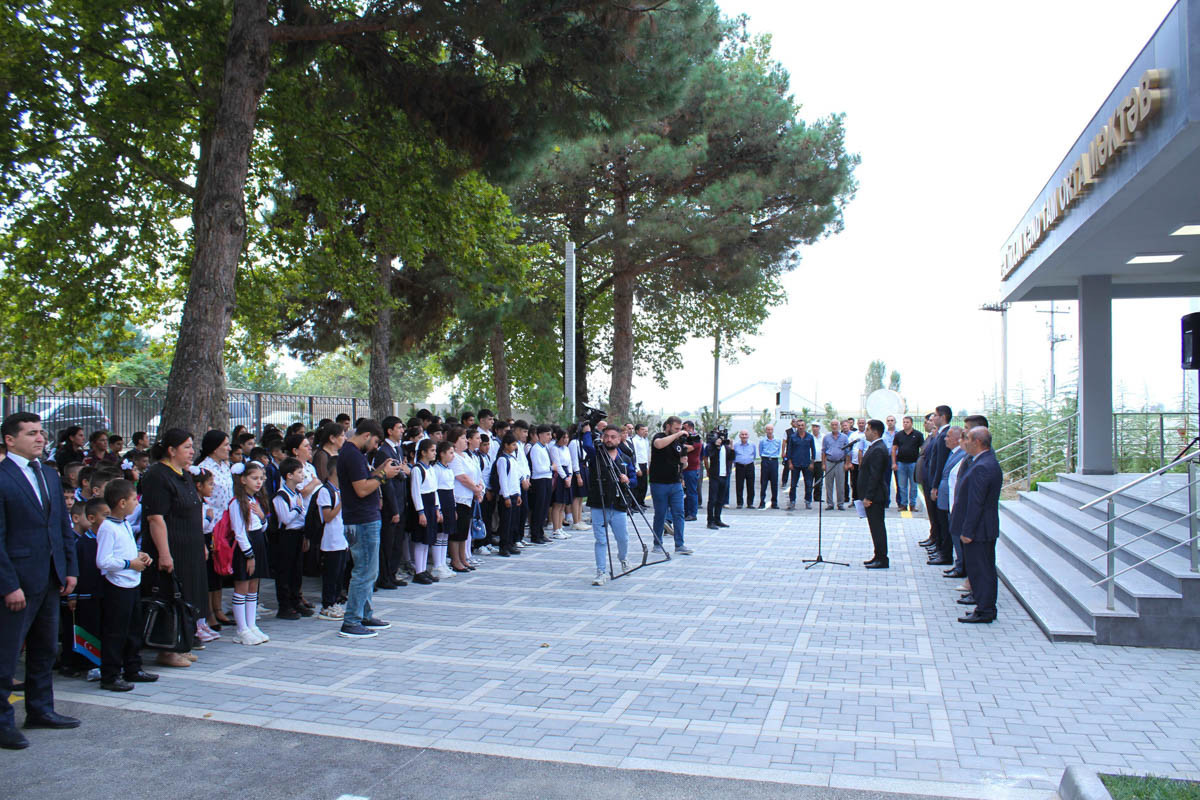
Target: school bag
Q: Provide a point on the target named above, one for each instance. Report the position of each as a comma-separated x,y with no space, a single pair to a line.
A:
314,520
222,543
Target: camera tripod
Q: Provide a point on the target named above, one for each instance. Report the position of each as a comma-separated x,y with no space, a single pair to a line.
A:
631,505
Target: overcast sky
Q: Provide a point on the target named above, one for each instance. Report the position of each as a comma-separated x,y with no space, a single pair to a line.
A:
932,91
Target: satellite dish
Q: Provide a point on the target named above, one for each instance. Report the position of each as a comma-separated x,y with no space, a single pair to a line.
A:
883,403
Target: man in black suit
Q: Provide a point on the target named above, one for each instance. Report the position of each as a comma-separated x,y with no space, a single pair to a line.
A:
874,478
393,538
37,565
941,551
977,511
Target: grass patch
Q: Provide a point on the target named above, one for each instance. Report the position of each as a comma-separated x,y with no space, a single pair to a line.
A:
1134,787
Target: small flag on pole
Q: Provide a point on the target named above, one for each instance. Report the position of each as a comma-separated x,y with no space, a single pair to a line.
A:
87,645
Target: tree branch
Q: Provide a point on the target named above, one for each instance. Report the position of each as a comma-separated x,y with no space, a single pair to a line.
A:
336,30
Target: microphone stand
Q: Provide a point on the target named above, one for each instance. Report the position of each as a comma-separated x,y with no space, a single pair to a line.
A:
820,559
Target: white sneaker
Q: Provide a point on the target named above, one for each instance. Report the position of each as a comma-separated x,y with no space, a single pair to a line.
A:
246,637
443,573
962,587
556,534
491,550
658,549
600,579
263,638
580,526
624,566
93,674
263,611
564,535
331,613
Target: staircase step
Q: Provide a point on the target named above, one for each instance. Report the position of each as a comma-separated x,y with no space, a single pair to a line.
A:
1060,573
1137,523
1059,621
1165,508
1068,530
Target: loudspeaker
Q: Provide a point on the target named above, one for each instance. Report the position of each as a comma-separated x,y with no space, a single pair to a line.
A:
1191,340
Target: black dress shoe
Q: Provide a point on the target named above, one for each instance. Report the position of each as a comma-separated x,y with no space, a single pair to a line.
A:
117,685
975,616
954,573
722,524
52,720
512,551
966,600
689,519
423,578
12,739
880,564
386,585
940,562
761,506
712,526
870,560
288,614
141,676
305,611
926,542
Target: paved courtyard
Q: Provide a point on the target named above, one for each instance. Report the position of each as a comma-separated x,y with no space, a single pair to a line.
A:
732,663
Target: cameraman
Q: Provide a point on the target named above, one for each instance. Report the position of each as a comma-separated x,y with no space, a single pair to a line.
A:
606,499
720,456
668,454
691,473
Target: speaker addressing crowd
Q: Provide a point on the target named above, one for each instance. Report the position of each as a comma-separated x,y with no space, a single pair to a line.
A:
92,535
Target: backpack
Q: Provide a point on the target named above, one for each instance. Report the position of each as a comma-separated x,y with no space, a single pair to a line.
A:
222,545
314,519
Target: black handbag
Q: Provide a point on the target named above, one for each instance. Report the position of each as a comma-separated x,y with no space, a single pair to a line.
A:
169,620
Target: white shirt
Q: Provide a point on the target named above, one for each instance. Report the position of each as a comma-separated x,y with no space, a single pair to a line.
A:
560,458
240,532
465,464
508,476
573,447
334,537
641,449
539,461
722,463
858,445
423,481
290,508
115,544
818,445
23,463
523,469
445,476
953,479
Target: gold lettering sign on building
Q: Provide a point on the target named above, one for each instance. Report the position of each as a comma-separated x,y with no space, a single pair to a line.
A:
1131,114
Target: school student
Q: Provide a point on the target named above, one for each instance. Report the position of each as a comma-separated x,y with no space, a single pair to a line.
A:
508,487
290,507
447,517
335,550
468,490
426,515
249,523
82,607
121,563
560,492
206,486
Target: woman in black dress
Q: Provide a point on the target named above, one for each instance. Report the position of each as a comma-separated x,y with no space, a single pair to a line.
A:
173,515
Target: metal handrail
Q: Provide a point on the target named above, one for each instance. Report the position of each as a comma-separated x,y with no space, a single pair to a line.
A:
1162,527
1038,432
1141,479
1145,561
1135,509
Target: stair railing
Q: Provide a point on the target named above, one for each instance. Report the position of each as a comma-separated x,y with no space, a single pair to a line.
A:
1112,518
1045,451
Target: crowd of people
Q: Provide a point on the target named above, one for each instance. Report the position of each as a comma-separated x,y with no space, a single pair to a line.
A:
377,505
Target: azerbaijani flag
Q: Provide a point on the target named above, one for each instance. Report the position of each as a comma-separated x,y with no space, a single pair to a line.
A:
87,645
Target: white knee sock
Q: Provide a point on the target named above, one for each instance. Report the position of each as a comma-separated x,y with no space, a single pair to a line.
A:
239,612
252,609
420,557
439,555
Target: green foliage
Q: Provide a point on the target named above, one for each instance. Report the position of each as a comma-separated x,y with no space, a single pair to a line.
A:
764,419
894,381
146,367
831,416
710,421
341,374
1137,787
874,381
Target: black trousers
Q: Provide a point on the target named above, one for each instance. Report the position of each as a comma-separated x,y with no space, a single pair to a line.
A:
37,626
852,483
387,552
931,510
539,506
643,484
944,542
510,518
980,558
522,514
333,568
287,579
487,509
743,474
808,476
718,490
121,631
878,531
769,475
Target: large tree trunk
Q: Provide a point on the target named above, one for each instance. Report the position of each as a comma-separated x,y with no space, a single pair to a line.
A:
500,373
622,356
379,377
196,388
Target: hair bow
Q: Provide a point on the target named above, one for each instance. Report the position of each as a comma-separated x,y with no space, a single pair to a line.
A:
127,464
192,468
237,469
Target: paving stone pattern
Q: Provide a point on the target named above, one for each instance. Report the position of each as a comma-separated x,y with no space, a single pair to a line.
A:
735,662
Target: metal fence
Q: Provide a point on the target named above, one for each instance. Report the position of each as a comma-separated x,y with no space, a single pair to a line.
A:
127,409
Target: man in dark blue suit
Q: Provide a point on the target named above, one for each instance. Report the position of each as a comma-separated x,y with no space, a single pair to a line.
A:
37,564
393,538
977,518
942,549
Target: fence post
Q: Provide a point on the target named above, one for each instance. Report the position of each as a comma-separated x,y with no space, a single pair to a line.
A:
1162,442
258,413
1193,507
1029,464
353,410
1070,434
1110,591
112,408
310,410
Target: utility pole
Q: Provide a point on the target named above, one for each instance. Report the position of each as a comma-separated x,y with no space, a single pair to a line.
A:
1003,309
569,333
1055,341
716,374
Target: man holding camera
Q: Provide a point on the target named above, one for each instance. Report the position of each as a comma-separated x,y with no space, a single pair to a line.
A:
691,472
668,454
720,460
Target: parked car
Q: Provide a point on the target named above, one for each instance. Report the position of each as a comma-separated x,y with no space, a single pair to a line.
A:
241,412
60,413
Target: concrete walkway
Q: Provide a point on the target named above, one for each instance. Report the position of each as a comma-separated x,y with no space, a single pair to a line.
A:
734,663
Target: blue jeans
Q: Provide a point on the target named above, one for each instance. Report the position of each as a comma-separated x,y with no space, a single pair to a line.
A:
906,487
667,495
364,549
616,524
691,492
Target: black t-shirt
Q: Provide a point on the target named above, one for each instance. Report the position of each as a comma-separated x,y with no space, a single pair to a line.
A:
664,461
908,446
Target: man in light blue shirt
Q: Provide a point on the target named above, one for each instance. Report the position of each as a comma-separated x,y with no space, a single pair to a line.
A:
744,452
835,458
769,449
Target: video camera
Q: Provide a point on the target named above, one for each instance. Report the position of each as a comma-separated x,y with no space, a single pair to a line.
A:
719,433
592,415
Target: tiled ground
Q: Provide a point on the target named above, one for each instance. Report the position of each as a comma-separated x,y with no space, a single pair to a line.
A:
734,662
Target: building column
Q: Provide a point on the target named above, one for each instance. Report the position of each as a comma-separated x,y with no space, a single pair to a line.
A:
1095,375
